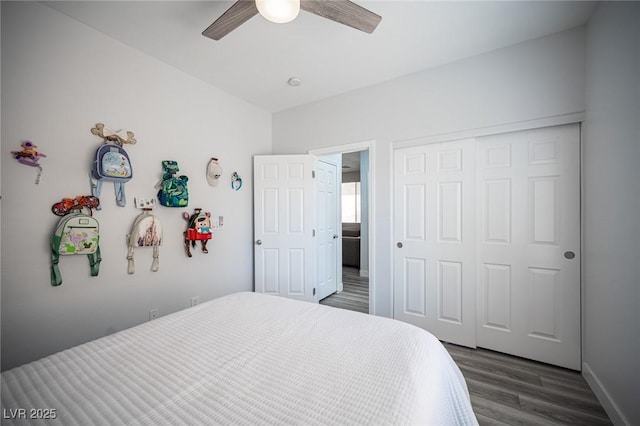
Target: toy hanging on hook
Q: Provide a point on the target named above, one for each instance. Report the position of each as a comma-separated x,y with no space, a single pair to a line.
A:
236,181
67,205
29,156
198,229
119,137
214,172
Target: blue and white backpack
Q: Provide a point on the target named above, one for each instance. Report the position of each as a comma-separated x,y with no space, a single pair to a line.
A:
111,162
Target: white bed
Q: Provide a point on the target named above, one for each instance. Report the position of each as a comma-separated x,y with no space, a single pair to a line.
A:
250,359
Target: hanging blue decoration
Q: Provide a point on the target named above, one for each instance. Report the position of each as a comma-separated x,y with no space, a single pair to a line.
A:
236,181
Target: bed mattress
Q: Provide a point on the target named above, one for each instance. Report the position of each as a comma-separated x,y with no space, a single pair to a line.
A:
246,358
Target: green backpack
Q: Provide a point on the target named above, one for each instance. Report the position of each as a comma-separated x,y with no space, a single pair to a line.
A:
76,233
173,189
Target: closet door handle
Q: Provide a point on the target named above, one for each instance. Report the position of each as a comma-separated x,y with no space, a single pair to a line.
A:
259,242
399,245
569,254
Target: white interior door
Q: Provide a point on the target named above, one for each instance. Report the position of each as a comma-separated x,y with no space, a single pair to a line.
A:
529,244
284,220
328,235
434,231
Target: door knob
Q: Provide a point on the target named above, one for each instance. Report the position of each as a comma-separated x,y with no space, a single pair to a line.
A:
259,242
399,245
569,254
335,236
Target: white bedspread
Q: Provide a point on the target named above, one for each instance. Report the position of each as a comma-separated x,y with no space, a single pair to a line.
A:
250,359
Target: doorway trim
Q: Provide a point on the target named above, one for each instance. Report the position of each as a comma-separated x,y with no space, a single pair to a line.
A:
355,147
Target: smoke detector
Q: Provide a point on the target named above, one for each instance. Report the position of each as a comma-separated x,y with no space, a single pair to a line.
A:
294,82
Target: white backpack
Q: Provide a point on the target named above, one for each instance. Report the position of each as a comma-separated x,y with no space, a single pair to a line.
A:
145,232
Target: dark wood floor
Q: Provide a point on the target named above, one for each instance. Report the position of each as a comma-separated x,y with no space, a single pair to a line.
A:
355,294
505,390
508,390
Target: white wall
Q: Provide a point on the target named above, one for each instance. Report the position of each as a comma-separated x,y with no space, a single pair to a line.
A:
59,78
536,79
611,213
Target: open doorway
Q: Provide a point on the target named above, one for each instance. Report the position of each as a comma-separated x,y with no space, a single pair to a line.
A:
353,293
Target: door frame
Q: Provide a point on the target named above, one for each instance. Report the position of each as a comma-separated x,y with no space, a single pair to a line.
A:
355,147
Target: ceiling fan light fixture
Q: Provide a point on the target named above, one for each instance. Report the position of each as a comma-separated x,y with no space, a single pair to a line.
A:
278,11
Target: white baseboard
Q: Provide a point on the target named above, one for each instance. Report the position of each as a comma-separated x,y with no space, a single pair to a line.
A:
364,273
609,405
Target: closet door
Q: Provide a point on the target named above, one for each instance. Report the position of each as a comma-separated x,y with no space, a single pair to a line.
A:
529,244
434,237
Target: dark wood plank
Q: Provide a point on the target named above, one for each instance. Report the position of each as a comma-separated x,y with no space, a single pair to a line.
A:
493,393
581,389
505,414
496,367
522,363
487,421
355,293
510,390
527,389
559,414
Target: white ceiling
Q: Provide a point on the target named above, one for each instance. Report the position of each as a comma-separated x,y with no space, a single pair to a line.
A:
255,61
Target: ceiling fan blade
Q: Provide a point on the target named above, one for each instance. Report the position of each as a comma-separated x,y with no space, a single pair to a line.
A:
239,13
344,12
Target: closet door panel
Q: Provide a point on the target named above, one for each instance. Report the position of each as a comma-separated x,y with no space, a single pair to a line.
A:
434,232
529,250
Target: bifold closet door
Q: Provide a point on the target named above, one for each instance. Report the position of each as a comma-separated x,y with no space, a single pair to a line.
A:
434,237
529,244
487,235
